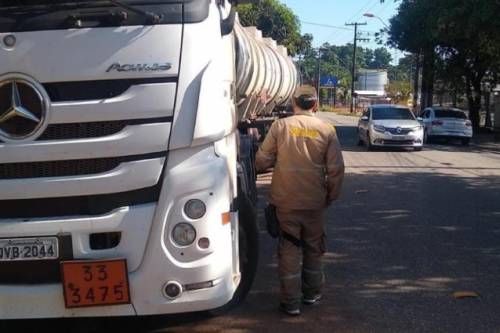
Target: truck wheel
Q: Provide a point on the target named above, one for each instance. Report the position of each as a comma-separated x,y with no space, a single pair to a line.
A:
249,253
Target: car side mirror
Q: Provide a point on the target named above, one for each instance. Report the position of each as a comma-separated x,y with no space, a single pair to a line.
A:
420,119
364,118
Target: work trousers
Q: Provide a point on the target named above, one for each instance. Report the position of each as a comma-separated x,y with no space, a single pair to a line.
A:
298,280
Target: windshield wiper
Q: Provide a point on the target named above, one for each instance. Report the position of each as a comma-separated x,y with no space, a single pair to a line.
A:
152,17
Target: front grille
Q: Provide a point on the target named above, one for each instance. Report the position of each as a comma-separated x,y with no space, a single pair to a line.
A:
94,129
67,168
95,90
398,142
82,130
89,205
404,131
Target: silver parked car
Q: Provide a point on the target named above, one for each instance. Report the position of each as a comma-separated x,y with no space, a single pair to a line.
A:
390,125
446,123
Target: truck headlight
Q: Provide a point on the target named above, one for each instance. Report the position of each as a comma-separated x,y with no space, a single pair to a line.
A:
195,209
184,234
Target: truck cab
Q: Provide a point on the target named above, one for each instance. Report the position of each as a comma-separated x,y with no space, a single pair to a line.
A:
119,149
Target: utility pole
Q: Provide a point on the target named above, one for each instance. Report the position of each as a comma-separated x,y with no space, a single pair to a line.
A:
353,71
319,75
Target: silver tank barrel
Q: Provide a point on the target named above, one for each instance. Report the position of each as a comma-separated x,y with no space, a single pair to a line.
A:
266,75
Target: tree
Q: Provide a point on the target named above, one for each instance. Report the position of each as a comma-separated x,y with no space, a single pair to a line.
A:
399,91
413,30
381,59
461,36
277,21
468,37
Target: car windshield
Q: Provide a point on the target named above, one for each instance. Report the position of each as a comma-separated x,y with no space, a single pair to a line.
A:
392,113
450,114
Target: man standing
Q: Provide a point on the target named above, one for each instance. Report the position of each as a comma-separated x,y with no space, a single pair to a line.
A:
308,175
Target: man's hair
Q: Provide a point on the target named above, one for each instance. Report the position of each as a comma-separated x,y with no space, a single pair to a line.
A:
305,102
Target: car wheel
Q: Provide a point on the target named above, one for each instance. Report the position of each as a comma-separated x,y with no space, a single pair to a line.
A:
417,149
465,141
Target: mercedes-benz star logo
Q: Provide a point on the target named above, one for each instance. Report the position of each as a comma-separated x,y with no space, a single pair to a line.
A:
16,108
23,108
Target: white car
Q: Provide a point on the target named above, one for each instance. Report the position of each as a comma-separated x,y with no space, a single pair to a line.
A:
446,123
391,126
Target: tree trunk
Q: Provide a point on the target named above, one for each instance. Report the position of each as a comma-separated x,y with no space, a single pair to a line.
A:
427,79
455,99
487,95
416,81
473,90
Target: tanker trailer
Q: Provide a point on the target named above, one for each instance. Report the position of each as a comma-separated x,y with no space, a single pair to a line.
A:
266,75
266,78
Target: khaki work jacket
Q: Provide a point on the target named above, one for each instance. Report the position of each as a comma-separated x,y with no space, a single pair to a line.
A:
307,160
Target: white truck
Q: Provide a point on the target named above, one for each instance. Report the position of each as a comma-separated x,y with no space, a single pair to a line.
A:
126,178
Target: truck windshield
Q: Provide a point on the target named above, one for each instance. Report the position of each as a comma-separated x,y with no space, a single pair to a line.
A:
392,113
37,15
29,3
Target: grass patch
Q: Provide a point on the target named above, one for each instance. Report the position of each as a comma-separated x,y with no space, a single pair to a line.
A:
341,111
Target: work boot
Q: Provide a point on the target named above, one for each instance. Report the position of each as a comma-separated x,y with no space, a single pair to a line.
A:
289,309
311,300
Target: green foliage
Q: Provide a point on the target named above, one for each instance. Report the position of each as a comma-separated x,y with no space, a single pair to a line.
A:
276,21
337,61
403,71
460,36
381,59
399,91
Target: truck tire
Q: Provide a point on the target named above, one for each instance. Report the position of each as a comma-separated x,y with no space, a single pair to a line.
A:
249,253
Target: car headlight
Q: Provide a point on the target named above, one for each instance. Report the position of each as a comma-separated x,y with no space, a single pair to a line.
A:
417,128
195,209
184,234
379,128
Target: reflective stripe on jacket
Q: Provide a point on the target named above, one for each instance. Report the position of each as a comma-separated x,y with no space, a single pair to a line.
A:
307,160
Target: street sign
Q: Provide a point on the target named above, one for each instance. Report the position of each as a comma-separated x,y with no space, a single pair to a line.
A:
329,81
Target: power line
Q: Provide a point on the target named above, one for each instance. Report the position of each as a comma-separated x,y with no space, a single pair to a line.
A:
334,26
326,25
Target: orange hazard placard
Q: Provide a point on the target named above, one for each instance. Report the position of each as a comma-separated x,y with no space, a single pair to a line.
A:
95,283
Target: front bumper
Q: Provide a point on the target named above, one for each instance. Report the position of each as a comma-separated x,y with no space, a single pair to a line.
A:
448,133
153,259
386,139
46,301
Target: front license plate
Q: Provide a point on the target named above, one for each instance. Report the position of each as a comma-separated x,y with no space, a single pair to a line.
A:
400,138
35,248
95,283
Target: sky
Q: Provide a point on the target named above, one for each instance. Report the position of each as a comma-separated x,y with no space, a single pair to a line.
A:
339,12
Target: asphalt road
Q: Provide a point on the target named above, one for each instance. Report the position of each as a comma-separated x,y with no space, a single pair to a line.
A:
410,230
